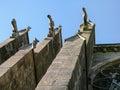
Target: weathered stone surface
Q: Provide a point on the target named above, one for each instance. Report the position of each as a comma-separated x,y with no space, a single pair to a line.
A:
52,88
17,73
66,71
12,45
70,67
23,70
90,42
45,52
100,57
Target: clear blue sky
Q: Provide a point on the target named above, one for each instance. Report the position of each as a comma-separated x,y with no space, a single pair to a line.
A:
104,13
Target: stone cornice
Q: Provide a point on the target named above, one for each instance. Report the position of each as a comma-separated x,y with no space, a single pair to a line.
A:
107,48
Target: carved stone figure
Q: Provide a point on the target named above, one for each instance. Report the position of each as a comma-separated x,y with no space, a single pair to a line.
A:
15,33
35,42
14,24
51,22
87,24
51,28
84,16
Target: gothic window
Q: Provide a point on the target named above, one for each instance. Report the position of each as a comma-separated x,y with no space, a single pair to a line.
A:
108,78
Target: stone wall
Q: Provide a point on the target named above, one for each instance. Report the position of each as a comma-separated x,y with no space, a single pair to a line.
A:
45,52
25,68
12,45
89,35
17,73
66,71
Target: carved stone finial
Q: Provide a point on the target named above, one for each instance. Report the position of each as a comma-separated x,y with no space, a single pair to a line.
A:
51,28
35,42
14,24
28,28
84,16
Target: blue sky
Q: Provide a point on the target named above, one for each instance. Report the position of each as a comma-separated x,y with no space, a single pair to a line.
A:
104,13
